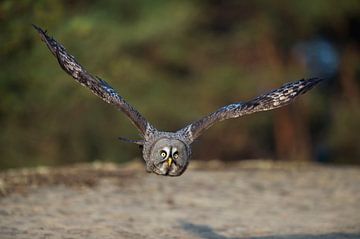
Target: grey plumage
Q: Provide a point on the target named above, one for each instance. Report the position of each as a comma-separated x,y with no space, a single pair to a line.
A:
98,86
168,153
268,101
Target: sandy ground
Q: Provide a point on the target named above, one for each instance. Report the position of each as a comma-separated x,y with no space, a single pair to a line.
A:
261,200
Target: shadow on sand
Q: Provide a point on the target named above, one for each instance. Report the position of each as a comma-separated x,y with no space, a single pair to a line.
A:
207,232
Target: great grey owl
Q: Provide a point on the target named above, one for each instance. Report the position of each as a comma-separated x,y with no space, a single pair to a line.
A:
168,153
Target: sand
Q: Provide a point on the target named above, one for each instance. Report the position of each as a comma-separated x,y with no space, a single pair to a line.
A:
256,199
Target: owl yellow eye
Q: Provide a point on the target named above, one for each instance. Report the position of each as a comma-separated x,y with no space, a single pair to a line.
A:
163,154
175,155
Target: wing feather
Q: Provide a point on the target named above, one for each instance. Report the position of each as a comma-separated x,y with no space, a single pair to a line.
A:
268,101
98,86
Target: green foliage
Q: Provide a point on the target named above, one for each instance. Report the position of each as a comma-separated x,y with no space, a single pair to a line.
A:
173,60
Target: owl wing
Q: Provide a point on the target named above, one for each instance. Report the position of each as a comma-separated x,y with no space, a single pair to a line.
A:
98,86
268,101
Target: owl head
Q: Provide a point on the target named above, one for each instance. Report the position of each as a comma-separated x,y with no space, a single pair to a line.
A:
168,157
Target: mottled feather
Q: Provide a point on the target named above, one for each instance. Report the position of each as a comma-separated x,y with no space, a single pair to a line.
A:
98,86
268,101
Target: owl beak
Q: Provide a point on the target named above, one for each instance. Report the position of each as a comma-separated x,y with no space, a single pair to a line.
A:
169,161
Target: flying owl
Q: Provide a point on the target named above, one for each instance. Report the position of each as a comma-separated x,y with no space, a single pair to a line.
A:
168,153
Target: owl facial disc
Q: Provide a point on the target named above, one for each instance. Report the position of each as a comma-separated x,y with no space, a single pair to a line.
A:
168,156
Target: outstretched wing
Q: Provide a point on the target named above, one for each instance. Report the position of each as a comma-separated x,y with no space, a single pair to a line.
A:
268,101
98,86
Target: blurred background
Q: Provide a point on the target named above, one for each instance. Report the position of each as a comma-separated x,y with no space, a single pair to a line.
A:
176,61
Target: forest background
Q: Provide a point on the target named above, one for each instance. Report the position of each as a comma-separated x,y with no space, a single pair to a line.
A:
176,61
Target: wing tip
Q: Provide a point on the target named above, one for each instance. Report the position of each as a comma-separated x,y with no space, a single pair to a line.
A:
40,31
36,27
311,82
316,79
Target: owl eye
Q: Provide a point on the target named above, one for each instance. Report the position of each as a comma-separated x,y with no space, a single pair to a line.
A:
163,154
175,155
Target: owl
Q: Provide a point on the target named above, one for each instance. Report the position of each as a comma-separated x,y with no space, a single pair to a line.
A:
168,153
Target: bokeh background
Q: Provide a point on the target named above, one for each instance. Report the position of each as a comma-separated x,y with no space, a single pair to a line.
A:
176,61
